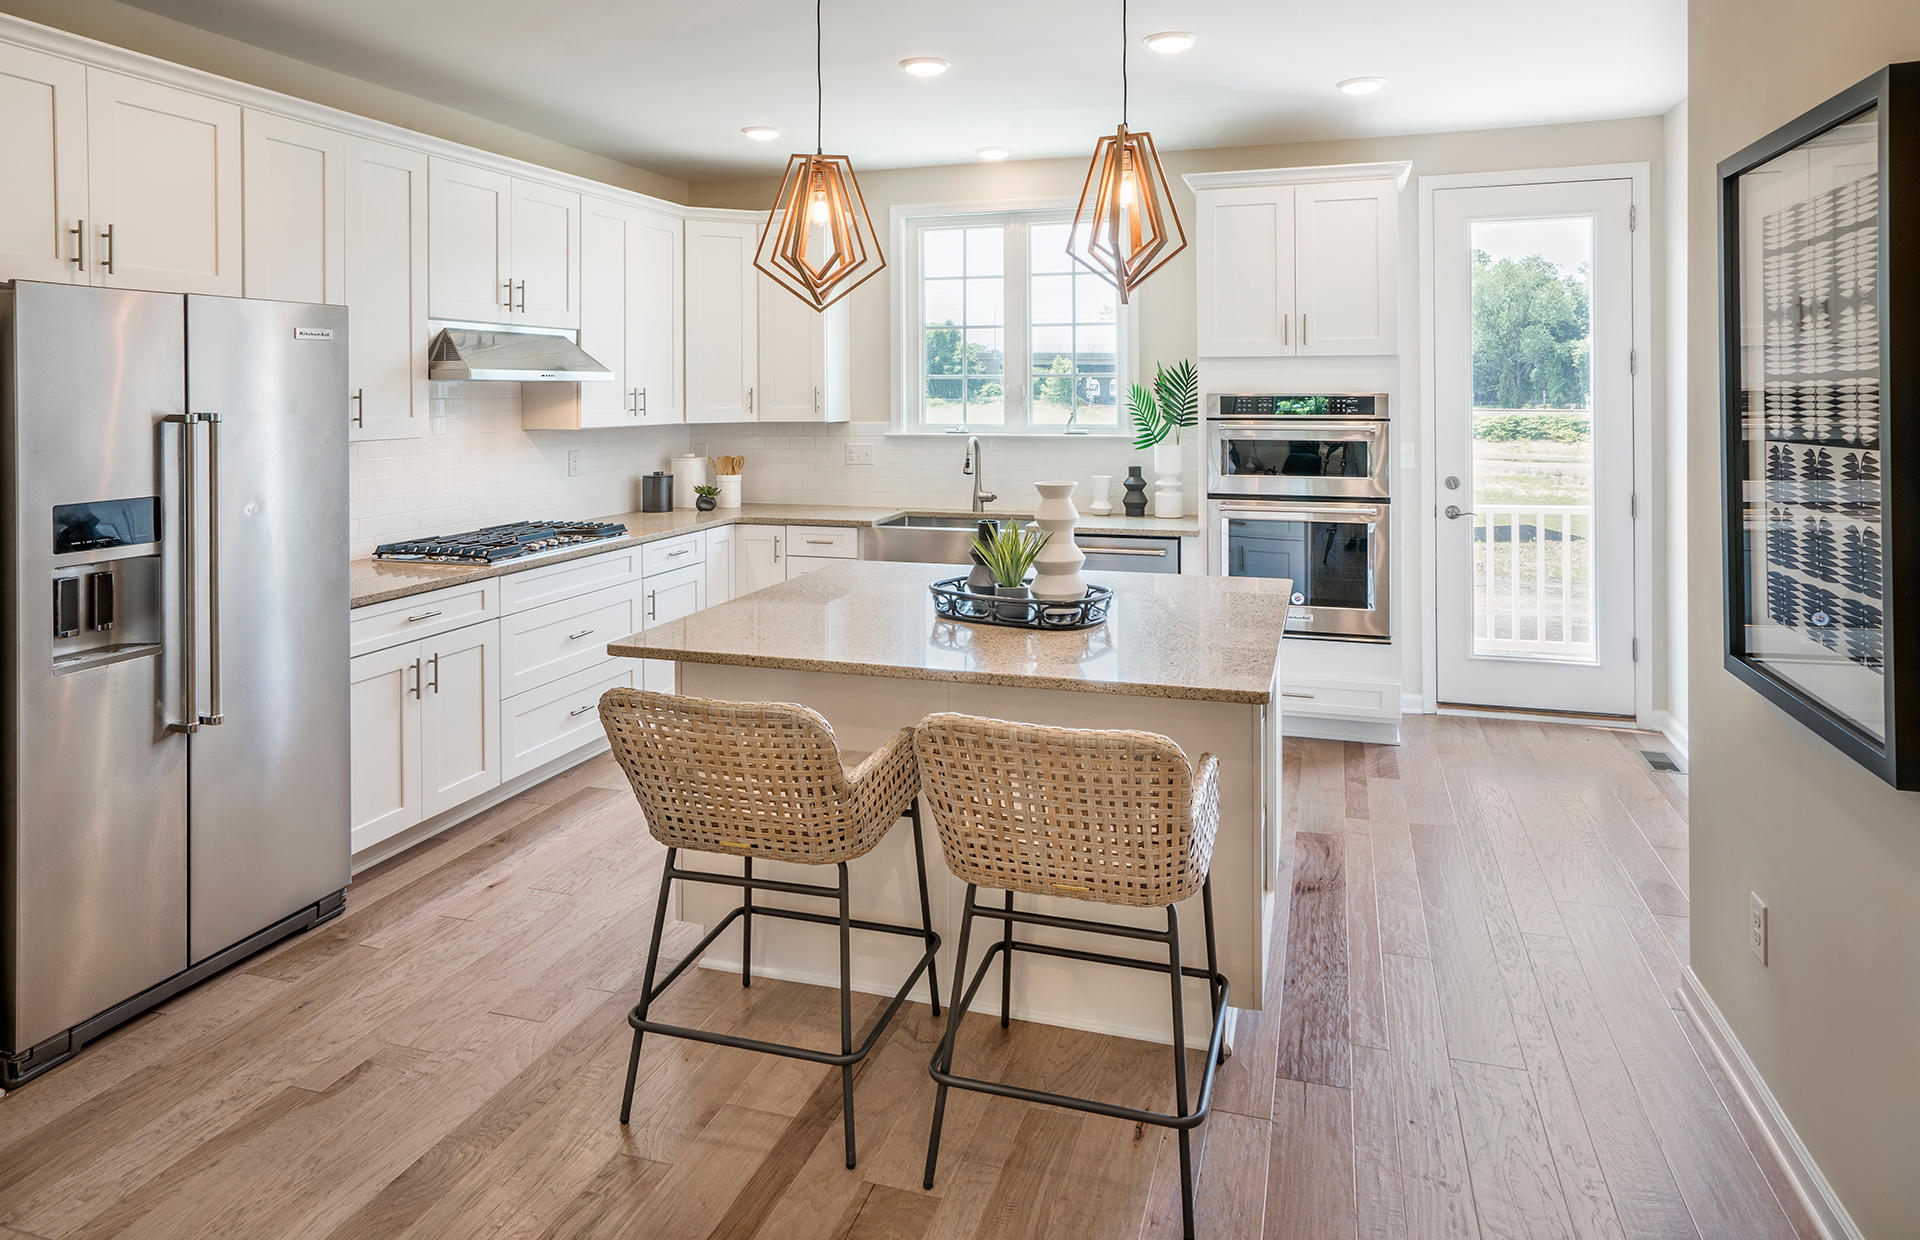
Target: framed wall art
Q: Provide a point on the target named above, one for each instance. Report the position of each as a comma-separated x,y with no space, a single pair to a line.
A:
1820,378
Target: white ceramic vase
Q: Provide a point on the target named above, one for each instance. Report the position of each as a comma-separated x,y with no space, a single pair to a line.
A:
729,485
1167,500
1102,495
1057,577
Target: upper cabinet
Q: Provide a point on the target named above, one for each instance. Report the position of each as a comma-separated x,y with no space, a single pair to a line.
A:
44,232
504,250
1294,266
295,218
803,353
630,322
386,290
163,181
722,320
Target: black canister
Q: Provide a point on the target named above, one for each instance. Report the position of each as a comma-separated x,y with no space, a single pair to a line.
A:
656,492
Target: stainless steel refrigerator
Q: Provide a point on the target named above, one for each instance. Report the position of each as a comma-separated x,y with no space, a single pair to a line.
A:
174,737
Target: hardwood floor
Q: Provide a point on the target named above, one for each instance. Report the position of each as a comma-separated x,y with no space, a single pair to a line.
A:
1478,1036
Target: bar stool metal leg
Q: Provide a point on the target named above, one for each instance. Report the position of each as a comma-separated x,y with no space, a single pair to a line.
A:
926,910
1006,966
846,1007
1180,1069
746,925
646,989
944,1055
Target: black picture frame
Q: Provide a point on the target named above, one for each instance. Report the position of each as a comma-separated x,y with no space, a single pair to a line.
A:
1895,92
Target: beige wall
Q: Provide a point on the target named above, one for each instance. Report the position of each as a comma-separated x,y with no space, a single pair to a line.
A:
123,26
1833,1020
1166,303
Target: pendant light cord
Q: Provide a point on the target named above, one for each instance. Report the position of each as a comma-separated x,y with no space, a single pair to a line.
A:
1124,84
819,86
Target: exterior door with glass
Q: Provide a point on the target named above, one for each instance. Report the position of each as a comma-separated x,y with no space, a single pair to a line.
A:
1534,456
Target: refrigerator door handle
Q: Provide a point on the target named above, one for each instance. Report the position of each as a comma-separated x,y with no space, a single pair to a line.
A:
212,420
189,623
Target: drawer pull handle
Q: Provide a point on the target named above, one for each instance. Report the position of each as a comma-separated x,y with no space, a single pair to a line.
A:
1292,694
425,615
574,637
583,710
682,551
820,542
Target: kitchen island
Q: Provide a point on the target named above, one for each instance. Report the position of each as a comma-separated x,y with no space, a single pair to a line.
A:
1192,658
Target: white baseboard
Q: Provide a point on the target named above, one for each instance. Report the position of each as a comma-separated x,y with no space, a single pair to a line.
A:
1415,704
1675,730
1808,1183
1322,727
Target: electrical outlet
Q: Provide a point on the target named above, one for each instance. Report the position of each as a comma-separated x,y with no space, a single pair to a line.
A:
859,452
1757,926
574,458
699,449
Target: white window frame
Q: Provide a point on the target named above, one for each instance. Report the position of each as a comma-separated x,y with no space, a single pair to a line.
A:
907,222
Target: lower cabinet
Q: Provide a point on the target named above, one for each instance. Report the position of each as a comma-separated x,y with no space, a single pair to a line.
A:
720,565
667,597
757,558
554,720
425,729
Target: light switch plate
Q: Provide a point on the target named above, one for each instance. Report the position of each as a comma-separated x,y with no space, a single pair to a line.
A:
1757,926
859,452
574,459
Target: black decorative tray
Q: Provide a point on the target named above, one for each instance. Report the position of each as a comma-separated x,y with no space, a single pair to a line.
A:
953,601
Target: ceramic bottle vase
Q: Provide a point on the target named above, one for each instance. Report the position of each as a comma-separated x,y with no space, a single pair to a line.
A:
1135,501
1056,572
1166,479
1102,495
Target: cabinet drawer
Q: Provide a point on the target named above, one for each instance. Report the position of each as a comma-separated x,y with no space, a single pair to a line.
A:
1343,699
539,586
658,557
556,719
421,615
838,542
562,638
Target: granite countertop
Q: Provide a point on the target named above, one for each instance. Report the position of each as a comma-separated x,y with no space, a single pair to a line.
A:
380,581
1214,639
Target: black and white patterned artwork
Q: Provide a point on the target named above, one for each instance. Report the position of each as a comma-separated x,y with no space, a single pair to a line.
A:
1821,421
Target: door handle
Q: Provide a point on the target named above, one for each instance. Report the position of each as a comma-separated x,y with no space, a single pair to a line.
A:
79,234
107,236
359,399
1453,512
434,663
523,297
509,296
416,680
816,400
640,402
1303,329
776,548
189,621
1286,329
650,612
213,567
749,400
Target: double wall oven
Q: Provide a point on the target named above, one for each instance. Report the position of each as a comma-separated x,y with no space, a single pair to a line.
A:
1297,488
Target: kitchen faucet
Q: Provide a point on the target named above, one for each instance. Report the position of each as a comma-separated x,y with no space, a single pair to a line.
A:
976,469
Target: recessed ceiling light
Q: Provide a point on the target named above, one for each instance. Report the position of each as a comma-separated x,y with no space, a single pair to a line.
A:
1360,85
926,66
992,153
1168,42
761,133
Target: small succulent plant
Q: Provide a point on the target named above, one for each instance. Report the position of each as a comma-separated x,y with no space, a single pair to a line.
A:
1010,552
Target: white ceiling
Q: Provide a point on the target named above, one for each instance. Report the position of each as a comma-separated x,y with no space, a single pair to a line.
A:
668,85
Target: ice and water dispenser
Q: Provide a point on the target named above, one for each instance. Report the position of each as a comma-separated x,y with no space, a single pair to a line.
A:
107,582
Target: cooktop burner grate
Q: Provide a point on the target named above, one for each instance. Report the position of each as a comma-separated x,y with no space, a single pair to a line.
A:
500,542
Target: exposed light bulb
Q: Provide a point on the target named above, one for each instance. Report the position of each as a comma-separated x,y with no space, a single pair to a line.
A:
1127,190
1170,42
818,211
1360,85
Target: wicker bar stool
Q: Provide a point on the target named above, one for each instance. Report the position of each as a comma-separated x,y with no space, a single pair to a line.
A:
1109,817
764,779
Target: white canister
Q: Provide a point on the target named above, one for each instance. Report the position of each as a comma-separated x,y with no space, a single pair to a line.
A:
729,485
689,471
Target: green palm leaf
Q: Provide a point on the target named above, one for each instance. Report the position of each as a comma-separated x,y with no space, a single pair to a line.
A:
1179,397
1148,426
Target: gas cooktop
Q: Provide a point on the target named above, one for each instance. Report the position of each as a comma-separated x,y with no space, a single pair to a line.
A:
500,542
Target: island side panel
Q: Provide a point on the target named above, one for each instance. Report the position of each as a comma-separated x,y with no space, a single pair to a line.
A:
865,711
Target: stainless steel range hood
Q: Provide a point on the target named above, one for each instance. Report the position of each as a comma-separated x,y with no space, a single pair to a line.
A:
510,354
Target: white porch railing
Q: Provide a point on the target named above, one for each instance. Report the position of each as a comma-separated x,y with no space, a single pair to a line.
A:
1533,580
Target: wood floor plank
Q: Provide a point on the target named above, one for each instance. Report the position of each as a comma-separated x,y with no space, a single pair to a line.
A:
1231,1189
1314,1006
890,1214
1354,766
1398,907
1310,1171
1422,774
1109,1174
1583,1183
1433,1161
1722,1185
1628,846
1471,987
615,1202
1366,988
1515,1187
1380,1211
1318,801
1511,847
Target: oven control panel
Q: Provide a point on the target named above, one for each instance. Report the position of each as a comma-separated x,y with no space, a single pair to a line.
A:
1259,405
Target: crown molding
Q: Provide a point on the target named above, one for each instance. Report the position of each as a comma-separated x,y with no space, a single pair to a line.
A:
1396,170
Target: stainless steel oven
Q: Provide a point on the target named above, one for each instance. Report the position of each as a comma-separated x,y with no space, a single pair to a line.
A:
1297,447
1334,552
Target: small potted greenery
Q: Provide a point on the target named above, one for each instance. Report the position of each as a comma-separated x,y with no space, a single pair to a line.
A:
1159,415
1008,555
706,497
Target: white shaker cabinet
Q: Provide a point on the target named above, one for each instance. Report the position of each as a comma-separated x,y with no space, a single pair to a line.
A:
758,558
720,565
163,187
45,233
470,242
1293,266
803,359
386,291
656,317
545,255
459,716
667,597
384,723
294,190
722,320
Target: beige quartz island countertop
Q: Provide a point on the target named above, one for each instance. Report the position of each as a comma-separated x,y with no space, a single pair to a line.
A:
1211,639
379,581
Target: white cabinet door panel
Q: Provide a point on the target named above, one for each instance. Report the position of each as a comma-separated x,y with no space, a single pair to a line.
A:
545,255
1245,281
720,565
722,321
793,357
469,242
1346,242
460,716
384,724
163,173
656,300
608,235
44,233
386,283
757,557
294,178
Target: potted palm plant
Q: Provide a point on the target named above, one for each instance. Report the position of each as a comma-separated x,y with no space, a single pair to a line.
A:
1008,554
1159,415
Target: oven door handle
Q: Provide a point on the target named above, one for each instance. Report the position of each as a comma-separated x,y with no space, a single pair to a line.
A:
1302,428
1271,511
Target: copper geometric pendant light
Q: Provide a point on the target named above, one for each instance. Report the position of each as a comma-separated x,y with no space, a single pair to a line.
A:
819,243
1126,228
